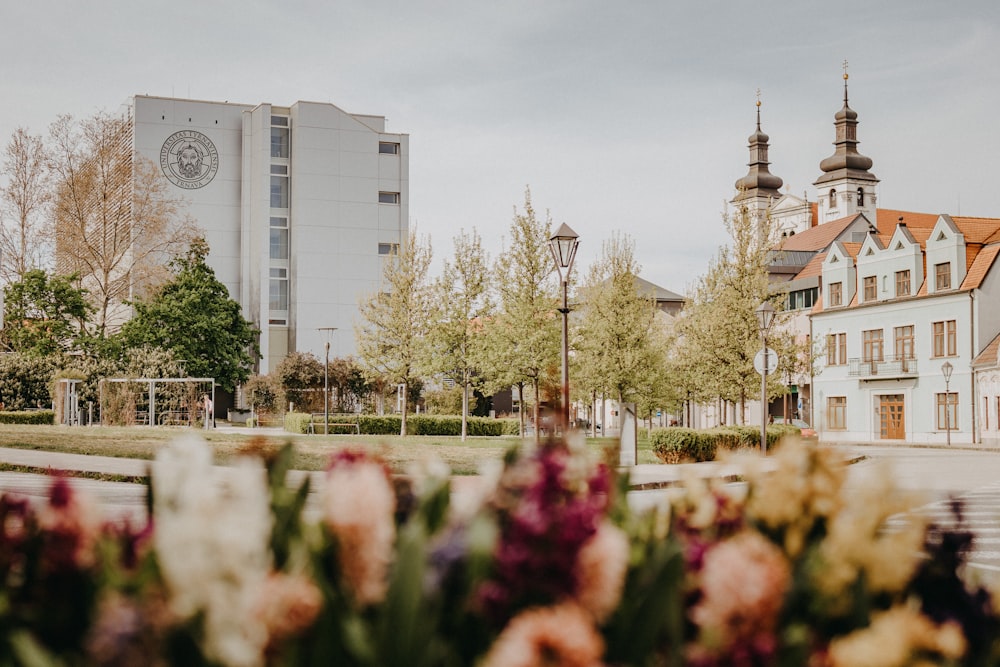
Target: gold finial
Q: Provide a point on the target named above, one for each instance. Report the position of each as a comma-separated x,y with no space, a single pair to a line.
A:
845,70
758,97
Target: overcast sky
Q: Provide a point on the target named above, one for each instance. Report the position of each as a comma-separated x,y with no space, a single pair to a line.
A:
629,116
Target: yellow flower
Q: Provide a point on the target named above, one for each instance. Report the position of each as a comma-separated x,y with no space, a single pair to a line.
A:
559,636
894,637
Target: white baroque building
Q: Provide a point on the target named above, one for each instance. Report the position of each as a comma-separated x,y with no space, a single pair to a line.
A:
300,206
889,300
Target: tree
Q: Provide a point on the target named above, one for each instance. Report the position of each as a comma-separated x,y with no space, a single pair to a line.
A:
523,338
25,381
116,223
193,316
24,243
300,374
459,308
619,330
392,329
43,314
718,329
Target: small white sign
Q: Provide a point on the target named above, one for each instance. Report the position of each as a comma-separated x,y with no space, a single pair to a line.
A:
772,361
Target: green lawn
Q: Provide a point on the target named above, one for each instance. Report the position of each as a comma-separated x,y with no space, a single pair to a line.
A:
312,451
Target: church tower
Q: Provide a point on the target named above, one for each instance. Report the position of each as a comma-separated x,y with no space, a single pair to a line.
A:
758,190
846,187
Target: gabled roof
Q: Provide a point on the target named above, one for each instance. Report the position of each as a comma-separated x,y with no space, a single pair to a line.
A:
819,237
657,292
813,268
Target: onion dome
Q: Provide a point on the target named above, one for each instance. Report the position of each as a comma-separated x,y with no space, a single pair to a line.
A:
759,182
846,161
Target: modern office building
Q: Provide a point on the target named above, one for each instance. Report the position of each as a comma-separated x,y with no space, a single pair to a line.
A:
301,205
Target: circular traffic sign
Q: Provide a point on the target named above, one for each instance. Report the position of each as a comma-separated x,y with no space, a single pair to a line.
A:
772,361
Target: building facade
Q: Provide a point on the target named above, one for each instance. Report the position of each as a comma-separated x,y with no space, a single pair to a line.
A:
901,309
300,205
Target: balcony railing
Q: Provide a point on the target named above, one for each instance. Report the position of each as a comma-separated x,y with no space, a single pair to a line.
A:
887,367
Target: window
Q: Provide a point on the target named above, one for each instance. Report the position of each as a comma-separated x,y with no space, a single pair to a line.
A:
904,343
836,294
833,198
861,197
388,198
836,412
944,339
903,283
279,169
800,299
279,142
942,276
871,288
871,345
388,148
278,289
279,191
388,248
836,349
986,413
947,410
279,120
279,238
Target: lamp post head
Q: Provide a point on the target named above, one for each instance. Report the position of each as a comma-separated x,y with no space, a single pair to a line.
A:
946,370
563,245
765,317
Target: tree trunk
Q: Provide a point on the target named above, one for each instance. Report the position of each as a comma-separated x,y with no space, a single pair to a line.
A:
402,421
536,409
465,410
520,407
593,418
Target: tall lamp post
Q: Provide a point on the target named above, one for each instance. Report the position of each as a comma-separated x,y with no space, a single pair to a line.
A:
326,381
946,369
765,318
563,245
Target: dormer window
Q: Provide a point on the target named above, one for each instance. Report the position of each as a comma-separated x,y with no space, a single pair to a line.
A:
836,294
942,276
871,288
861,196
903,283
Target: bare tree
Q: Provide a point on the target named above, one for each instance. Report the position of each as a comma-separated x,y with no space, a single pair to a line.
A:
24,243
116,223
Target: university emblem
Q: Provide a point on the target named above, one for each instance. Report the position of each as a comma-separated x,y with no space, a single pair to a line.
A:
189,159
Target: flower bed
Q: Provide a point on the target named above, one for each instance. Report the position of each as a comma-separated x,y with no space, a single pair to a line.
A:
547,566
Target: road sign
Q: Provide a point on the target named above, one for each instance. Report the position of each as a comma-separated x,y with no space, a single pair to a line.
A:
772,361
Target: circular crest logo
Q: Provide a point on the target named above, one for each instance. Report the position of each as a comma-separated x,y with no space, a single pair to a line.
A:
189,159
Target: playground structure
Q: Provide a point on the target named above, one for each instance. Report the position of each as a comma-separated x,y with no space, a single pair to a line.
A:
155,401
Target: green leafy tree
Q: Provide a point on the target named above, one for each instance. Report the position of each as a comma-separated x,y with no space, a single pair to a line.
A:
718,329
459,306
524,336
193,316
392,330
43,314
301,375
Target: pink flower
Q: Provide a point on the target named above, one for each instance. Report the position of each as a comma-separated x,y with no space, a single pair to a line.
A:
743,582
559,636
72,524
358,506
288,605
600,569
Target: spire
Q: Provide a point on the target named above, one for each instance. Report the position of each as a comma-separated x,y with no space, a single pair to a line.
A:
846,161
759,182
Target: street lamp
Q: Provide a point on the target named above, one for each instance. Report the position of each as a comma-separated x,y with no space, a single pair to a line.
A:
765,318
326,381
563,245
946,369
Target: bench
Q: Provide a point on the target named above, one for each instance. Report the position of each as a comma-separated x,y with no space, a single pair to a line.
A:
316,424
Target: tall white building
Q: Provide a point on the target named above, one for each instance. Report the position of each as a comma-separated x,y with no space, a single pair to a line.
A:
300,206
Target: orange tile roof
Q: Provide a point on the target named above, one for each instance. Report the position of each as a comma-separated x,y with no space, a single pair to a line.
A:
988,357
814,210
981,266
886,220
818,237
813,268
977,230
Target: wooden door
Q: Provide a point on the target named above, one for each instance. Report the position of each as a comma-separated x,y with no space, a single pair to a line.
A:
891,417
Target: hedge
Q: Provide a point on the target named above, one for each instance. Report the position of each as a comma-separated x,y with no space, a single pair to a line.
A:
415,424
684,445
46,417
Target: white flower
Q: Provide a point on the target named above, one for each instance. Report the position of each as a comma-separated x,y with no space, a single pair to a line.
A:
212,532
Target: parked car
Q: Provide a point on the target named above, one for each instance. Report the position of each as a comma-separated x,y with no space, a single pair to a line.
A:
805,430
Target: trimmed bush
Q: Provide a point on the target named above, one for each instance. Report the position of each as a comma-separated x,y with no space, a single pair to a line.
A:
46,417
685,445
450,425
297,422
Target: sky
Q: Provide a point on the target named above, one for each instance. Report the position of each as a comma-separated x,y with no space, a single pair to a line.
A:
628,116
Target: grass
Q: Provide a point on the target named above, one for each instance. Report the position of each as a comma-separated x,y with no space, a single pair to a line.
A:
311,451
